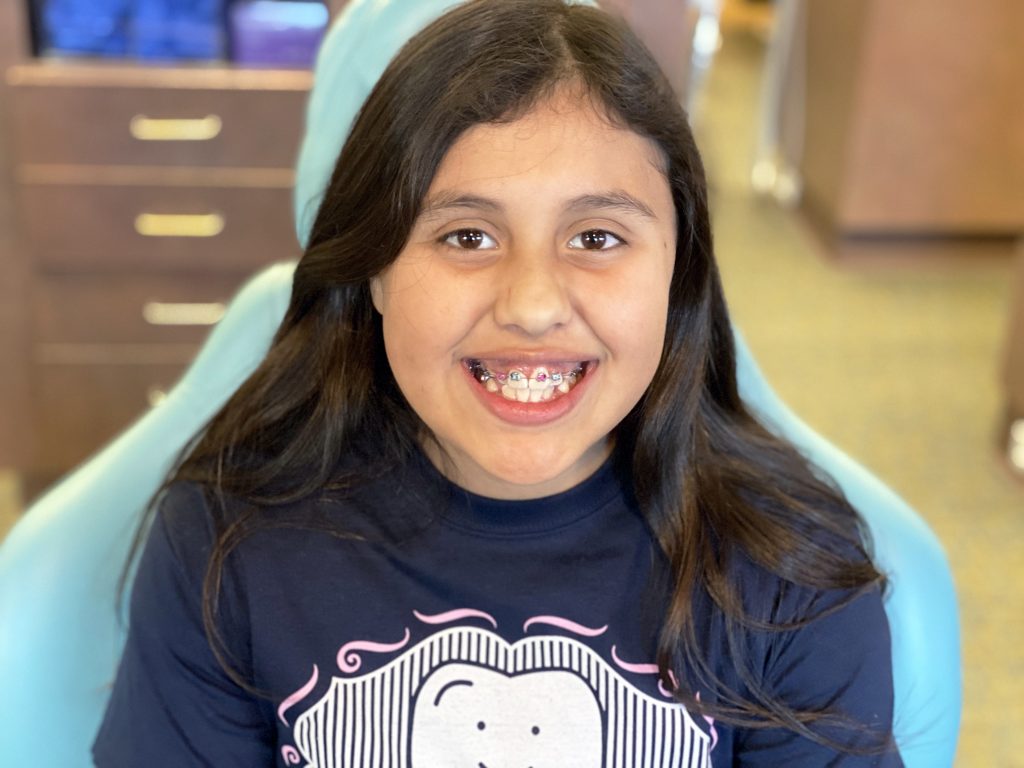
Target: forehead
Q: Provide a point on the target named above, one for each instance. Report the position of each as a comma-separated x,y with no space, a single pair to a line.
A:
564,136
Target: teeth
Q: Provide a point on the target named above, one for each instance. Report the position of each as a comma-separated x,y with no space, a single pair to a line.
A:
540,386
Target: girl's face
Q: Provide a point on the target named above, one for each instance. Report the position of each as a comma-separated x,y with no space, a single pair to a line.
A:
526,315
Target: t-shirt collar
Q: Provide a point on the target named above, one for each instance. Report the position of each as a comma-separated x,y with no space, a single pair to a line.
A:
528,516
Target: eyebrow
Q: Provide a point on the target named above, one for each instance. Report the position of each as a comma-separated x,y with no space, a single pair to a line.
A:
612,200
443,201
615,200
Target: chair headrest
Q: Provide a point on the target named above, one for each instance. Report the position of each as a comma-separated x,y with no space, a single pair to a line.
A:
355,51
353,56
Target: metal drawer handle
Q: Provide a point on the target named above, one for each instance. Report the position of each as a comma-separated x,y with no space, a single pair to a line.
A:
182,313
176,129
179,225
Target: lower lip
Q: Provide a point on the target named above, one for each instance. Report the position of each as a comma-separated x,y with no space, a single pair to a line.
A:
531,414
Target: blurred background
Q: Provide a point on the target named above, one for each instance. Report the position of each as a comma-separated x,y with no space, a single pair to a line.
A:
866,161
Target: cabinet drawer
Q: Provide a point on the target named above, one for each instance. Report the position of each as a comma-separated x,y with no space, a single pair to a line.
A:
80,408
145,228
118,309
134,125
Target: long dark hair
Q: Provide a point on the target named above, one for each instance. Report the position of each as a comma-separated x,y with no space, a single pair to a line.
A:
713,483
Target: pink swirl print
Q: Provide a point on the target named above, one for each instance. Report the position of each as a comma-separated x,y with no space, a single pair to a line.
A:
640,669
456,615
298,696
290,755
572,626
349,661
646,669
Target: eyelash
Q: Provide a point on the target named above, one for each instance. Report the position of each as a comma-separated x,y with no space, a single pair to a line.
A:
450,238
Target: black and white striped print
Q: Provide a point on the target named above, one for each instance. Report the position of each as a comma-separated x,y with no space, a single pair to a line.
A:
366,721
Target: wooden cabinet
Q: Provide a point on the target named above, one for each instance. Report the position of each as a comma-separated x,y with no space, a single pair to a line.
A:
915,120
14,388
140,197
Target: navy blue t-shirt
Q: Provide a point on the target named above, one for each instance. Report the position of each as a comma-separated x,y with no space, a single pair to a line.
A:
446,629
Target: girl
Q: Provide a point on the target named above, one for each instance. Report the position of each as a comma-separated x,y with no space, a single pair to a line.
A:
492,498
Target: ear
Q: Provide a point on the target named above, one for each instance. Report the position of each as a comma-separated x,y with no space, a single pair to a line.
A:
377,293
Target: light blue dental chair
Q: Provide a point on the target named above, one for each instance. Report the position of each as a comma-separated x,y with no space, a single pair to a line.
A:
61,630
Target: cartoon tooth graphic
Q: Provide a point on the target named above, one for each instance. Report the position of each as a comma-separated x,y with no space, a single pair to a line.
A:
469,715
424,708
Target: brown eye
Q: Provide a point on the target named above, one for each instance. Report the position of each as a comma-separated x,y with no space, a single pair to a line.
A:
469,240
594,240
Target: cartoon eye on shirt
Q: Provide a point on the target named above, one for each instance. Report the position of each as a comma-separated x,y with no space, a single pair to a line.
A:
467,715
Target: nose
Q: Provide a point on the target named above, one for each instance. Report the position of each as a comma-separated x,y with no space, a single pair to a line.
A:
532,298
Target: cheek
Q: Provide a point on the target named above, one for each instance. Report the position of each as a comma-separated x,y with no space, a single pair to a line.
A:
424,319
412,348
643,342
652,313
632,321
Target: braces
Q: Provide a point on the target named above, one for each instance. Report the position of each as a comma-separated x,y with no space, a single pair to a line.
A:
515,385
514,377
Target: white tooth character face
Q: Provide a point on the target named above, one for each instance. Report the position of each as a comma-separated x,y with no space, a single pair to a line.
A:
556,231
465,715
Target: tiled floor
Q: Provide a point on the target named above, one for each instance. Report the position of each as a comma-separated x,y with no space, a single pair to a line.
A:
899,368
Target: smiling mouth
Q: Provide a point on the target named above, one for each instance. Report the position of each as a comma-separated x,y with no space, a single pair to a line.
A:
528,383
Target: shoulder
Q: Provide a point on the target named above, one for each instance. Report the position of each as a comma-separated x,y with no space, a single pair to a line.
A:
824,651
183,513
829,634
192,518
189,527
787,606
188,522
